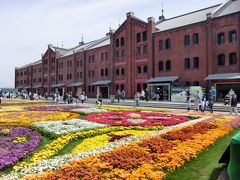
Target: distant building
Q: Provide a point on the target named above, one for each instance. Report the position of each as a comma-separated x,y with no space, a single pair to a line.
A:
200,48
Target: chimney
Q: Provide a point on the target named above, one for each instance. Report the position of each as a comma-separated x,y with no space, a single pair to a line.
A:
130,14
151,19
209,15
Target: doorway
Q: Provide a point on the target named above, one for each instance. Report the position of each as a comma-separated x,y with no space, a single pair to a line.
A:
104,91
160,92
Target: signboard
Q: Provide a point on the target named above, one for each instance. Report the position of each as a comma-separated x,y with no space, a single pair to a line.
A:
178,94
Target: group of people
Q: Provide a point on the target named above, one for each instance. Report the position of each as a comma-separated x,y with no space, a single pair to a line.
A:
207,100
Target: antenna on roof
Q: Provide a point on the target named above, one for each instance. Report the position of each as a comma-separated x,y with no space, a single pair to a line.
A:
82,37
162,9
110,27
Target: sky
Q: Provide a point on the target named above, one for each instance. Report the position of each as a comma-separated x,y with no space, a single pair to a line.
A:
28,26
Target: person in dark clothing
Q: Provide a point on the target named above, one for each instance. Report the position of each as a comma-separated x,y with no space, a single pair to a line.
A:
188,100
233,104
1,96
146,94
211,102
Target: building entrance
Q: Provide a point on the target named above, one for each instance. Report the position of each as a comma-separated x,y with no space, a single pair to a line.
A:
104,91
160,92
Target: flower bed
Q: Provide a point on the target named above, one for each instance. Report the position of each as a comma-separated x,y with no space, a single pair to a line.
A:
16,143
64,127
28,117
88,110
148,159
130,108
136,118
55,107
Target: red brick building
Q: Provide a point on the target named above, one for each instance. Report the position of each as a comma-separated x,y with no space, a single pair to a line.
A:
201,48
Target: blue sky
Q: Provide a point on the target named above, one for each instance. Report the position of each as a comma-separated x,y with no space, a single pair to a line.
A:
28,26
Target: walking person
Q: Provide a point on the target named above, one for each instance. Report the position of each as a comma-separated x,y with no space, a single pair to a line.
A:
146,95
210,102
142,95
118,95
123,95
1,96
234,104
188,100
137,99
213,93
197,101
82,98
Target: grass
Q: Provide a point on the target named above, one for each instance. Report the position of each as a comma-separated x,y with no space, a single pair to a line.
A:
205,166
45,140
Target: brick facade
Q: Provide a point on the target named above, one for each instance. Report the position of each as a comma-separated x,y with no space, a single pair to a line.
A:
138,51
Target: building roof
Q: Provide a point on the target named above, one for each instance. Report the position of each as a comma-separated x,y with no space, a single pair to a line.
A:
30,64
100,43
163,79
226,8
186,19
62,51
229,7
223,76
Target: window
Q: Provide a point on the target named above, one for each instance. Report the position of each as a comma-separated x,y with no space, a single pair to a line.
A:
77,63
139,50
167,43
122,86
160,66
144,35
122,53
232,36
89,73
138,37
122,41
106,56
117,87
102,56
53,60
221,60
77,75
106,72
168,65
117,54
80,75
93,74
145,69
45,61
117,42
122,71
196,62
89,59
186,63
117,72
187,83
89,88
160,45
233,58
195,38
186,40
220,38
81,63
102,72
145,49
139,69
25,72
93,58
93,89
